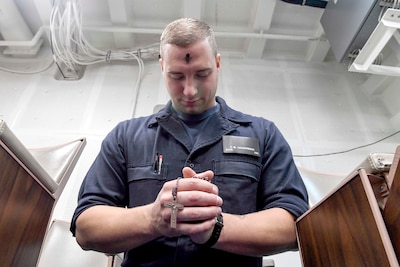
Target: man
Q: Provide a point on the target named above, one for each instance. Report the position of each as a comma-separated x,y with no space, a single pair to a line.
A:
240,191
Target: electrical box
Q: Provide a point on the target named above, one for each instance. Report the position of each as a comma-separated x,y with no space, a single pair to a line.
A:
348,25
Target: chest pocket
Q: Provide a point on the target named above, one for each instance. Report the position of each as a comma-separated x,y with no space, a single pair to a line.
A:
237,180
144,184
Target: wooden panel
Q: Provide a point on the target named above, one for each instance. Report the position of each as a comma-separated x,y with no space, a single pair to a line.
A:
391,213
25,209
345,229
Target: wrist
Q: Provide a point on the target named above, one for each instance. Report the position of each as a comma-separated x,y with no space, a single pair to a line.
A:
219,224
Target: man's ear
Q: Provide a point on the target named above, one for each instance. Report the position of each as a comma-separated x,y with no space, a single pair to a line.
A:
161,64
218,60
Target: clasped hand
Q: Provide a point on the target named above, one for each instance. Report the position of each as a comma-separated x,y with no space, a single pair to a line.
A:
200,201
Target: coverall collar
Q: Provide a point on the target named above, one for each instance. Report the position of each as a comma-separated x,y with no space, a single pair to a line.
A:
224,122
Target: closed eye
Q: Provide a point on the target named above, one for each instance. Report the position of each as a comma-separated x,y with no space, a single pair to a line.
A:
176,76
203,73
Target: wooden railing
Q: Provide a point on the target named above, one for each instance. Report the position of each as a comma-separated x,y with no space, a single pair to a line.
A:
25,210
349,227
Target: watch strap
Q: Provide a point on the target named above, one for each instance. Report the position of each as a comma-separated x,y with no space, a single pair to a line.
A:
216,232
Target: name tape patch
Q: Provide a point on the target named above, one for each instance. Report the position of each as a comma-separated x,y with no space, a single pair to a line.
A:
241,145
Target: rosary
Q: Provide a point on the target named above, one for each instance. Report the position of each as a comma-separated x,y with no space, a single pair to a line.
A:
174,205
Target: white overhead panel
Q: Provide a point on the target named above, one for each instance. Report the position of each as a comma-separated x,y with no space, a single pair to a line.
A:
119,17
261,23
192,9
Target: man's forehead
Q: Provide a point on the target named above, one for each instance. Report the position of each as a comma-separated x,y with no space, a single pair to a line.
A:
187,53
181,58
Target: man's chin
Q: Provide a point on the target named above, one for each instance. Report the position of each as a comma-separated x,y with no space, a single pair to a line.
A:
192,111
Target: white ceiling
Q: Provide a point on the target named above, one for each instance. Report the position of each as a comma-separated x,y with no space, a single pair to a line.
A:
267,29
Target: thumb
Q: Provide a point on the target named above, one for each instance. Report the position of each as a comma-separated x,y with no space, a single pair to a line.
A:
187,172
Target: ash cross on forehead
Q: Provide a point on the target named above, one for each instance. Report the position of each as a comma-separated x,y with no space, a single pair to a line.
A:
188,58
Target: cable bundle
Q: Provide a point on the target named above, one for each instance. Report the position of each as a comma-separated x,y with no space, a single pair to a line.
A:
70,46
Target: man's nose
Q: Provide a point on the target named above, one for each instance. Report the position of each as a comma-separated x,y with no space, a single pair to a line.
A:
189,87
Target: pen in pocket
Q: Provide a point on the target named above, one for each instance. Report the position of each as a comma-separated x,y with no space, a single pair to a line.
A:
160,161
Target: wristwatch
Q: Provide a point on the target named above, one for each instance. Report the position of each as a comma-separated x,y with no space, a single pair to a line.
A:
219,224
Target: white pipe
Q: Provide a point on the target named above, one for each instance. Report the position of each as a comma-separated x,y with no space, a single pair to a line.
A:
266,36
38,34
122,29
12,25
219,34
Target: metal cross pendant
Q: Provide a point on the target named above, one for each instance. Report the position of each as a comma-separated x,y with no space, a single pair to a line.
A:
175,206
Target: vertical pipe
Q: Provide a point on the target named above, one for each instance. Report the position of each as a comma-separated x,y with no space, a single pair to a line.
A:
12,25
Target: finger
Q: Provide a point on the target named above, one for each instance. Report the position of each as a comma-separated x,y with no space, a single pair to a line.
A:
198,214
199,199
197,185
168,186
207,175
187,172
